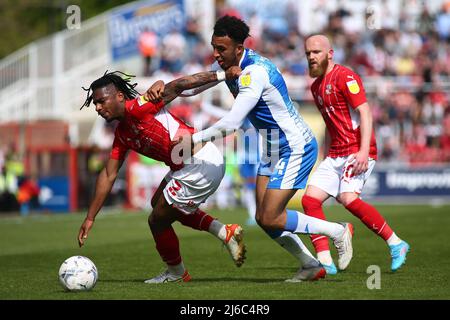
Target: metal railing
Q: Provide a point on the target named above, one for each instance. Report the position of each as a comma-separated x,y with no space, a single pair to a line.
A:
42,80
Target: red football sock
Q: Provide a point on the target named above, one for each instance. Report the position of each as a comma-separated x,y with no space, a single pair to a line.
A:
370,217
168,246
198,220
313,208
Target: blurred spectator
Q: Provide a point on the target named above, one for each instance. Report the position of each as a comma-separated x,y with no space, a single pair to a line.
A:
192,66
443,22
226,10
96,160
426,21
416,145
256,31
404,56
445,138
2,156
14,163
8,189
27,195
148,47
193,35
411,47
173,52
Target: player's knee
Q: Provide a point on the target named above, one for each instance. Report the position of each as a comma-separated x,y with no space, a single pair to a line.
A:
156,217
152,220
347,197
264,220
158,222
258,219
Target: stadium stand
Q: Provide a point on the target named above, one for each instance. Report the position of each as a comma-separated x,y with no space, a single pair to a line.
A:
404,59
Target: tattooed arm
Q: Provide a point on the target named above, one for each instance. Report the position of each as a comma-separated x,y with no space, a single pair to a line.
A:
174,88
168,92
196,91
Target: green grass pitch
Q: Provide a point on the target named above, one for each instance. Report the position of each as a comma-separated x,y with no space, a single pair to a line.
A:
32,249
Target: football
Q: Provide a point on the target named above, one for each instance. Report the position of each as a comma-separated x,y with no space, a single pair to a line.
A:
78,273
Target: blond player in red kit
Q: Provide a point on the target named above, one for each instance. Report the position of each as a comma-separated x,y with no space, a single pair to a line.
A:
350,149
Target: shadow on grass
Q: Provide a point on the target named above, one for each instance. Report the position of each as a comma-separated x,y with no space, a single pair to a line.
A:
123,280
225,279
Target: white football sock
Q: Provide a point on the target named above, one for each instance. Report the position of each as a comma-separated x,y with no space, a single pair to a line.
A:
325,257
294,245
217,229
393,240
311,225
177,270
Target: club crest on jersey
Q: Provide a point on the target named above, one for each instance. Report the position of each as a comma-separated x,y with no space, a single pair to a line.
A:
353,86
141,100
245,80
328,89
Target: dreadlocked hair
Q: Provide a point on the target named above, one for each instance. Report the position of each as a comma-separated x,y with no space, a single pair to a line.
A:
119,79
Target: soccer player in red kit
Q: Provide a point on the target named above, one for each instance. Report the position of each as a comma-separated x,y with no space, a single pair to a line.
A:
148,128
350,149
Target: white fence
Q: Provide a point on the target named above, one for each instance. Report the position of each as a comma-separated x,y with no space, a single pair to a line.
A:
40,80
43,80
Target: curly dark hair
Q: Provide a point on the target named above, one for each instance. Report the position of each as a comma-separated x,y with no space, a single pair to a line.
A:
232,27
117,80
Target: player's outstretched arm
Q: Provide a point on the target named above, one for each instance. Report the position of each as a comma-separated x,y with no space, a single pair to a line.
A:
105,181
168,92
232,121
196,91
251,87
225,126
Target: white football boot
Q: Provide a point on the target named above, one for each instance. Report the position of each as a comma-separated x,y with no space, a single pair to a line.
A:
167,277
344,247
235,243
309,274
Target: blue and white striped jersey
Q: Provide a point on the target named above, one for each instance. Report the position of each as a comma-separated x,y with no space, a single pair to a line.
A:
289,148
274,115
262,97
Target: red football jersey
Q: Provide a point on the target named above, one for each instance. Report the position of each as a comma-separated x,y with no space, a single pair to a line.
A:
337,95
148,129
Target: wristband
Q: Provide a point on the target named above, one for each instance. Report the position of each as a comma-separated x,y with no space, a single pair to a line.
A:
220,75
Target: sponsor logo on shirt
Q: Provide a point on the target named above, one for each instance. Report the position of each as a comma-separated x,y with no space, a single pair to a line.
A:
245,80
141,100
353,86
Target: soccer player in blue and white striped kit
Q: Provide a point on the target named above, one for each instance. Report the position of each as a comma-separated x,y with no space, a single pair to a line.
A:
289,146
